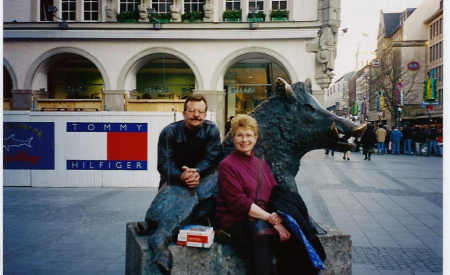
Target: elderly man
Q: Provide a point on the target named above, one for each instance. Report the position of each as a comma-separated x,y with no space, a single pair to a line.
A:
189,148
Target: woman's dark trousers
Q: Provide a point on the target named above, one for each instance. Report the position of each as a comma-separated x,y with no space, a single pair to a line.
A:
256,250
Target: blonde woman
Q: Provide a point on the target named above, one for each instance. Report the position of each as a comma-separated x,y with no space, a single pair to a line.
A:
246,183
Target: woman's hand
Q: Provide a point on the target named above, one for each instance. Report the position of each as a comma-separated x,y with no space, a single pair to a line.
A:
282,232
274,219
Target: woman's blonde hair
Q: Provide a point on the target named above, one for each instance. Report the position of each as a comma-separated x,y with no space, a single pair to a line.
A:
244,121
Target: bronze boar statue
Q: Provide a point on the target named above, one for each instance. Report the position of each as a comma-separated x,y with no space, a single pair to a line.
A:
291,123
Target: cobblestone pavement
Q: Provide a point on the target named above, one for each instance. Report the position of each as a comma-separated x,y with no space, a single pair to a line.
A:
391,206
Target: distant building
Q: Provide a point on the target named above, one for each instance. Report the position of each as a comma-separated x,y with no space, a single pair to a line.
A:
336,96
434,58
403,49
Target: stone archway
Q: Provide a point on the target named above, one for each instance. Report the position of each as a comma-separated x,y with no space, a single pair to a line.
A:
128,76
9,80
38,70
68,76
9,70
236,56
249,80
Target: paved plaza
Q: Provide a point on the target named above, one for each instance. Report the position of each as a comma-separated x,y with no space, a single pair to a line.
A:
391,206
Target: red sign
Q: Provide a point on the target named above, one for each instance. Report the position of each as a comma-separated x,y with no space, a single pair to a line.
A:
413,66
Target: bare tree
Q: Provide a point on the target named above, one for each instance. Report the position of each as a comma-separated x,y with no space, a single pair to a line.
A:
398,85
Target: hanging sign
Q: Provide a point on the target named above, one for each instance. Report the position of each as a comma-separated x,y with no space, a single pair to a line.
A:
413,66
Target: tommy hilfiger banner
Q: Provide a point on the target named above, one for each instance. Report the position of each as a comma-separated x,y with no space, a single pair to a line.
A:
107,146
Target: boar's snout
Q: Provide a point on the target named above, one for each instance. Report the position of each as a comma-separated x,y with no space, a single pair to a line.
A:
342,129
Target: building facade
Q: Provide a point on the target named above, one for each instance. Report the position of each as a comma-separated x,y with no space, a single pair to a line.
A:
337,95
434,60
404,44
132,55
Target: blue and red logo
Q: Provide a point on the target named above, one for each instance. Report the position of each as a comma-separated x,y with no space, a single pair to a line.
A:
126,145
413,66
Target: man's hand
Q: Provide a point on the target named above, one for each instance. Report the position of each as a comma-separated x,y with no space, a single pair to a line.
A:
282,232
190,177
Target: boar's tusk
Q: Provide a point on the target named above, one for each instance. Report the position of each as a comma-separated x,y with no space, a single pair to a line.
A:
287,87
359,130
334,129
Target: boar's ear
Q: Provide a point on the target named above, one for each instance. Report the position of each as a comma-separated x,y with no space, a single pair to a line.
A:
308,85
285,88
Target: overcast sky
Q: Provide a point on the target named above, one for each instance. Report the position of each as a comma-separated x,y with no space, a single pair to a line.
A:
361,17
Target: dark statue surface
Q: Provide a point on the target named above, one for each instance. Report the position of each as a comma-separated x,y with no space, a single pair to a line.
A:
291,123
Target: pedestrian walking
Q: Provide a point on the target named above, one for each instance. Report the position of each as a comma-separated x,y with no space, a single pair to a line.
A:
407,139
419,137
327,151
346,155
432,142
387,141
381,138
396,136
368,141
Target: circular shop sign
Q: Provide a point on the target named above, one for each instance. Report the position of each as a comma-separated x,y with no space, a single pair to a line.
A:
413,66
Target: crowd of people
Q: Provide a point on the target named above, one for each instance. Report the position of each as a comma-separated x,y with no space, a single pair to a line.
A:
410,140
420,140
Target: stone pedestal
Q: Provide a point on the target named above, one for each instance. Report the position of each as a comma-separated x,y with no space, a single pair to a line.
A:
220,259
216,103
114,100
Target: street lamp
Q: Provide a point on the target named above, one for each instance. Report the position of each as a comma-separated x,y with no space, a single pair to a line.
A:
156,23
252,24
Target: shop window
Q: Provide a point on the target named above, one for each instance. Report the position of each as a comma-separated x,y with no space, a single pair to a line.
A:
233,4
279,4
249,82
165,77
90,8
162,6
129,5
257,5
68,10
45,14
193,5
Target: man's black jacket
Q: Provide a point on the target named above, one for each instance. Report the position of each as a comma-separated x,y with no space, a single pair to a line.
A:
177,146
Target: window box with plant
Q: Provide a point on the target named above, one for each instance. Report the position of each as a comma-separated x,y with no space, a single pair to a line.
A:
194,16
257,17
279,15
232,15
160,17
127,17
